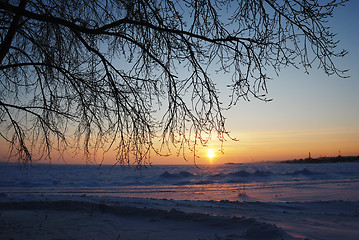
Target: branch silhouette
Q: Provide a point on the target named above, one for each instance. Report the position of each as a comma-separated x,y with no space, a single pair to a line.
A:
136,77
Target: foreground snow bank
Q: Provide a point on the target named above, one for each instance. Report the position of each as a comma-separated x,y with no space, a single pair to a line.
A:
118,218
72,219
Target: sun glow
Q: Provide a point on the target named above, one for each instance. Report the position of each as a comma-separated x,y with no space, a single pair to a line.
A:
210,154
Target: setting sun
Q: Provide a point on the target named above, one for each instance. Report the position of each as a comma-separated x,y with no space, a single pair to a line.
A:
210,153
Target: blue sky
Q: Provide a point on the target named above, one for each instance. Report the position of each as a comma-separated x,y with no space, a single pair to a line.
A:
309,113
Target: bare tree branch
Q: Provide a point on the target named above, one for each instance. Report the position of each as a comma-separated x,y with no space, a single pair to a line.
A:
136,77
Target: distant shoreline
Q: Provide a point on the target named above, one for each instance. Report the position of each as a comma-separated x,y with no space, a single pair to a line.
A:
336,159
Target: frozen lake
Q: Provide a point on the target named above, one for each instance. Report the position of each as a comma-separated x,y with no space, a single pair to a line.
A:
273,182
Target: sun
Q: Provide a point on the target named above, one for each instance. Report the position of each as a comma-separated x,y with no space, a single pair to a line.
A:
210,153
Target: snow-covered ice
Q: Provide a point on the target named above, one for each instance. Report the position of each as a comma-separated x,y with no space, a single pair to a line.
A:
248,201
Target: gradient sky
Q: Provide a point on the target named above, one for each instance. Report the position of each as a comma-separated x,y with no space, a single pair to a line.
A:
309,113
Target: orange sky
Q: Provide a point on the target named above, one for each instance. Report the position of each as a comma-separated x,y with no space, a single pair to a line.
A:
254,147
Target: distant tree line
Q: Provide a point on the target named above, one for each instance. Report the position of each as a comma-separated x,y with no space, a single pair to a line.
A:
325,159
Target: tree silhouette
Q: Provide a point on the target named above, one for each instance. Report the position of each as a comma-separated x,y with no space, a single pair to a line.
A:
134,76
